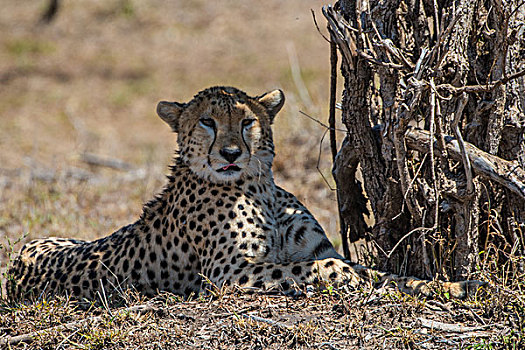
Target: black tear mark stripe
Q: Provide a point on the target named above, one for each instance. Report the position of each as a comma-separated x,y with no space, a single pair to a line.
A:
213,143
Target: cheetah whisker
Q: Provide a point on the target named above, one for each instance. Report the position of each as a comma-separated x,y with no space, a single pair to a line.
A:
259,163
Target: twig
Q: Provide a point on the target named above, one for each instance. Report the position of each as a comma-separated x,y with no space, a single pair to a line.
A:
318,165
449,327
440,305
457,133
424,229
266,320
432,159
360,13
377,62
426,261
484,164
441,38
443,156
327,344
475,315
419,64
345,42
436,19
389,46
320,122
410,186
479,88
30,337
333,88
317,26
516,9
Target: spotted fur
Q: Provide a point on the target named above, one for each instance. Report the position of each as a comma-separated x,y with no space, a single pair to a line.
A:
220,216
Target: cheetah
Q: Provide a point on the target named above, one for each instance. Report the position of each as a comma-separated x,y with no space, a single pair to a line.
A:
220,219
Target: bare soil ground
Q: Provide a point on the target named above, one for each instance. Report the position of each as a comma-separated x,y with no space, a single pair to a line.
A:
83,90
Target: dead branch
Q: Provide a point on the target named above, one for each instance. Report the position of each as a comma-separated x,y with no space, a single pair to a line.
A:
338,32
333,88
113,163
479,88
405,115
266,320
317,26
432,159
449,327
391,49
419,229
320,122
457,133
505,173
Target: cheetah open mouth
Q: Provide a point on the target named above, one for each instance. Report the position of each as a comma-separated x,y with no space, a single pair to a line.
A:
230,167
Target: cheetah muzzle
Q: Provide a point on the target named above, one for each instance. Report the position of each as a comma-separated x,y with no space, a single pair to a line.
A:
220,215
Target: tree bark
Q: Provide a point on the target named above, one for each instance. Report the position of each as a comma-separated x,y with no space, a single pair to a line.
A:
434,106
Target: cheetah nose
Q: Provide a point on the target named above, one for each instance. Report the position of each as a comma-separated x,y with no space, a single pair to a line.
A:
230,153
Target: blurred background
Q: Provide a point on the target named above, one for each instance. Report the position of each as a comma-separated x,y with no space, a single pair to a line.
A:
81,148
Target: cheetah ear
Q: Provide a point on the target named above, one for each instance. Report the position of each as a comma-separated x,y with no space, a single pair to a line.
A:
273,101
170,113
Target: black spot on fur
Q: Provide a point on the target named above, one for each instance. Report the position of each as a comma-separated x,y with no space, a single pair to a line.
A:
277,274
321,247
216,272
299,234
243,280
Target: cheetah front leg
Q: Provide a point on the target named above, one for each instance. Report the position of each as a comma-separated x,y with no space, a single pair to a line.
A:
416,286
300,237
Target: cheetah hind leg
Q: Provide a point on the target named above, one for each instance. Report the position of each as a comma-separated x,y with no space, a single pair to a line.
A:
285,277
416,286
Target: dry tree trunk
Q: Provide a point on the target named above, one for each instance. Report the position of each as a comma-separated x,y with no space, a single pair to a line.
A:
434,105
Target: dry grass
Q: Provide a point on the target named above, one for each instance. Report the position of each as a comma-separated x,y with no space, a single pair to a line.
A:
90,81
330,319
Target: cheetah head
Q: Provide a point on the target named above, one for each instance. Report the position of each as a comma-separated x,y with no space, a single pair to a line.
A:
224,134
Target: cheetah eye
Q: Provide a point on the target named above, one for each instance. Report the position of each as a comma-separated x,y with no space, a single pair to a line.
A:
207,122
247,122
